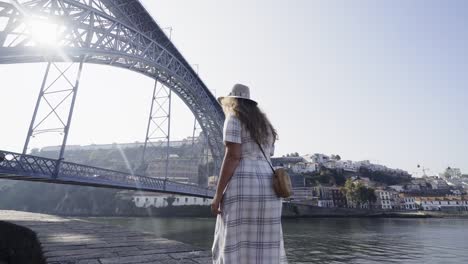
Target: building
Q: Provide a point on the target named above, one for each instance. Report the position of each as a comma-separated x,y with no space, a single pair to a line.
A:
286,161
183,171
137,144
162,200
428,193
317,158
304,167
321,196
387,200
297,180
338,197
438,183
324,196
442,203
398,188
348,165
184,158
421,183
408,202
413,187
303,194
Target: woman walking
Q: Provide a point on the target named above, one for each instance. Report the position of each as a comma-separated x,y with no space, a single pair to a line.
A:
248,225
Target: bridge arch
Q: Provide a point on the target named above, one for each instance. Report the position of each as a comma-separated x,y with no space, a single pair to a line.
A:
119,33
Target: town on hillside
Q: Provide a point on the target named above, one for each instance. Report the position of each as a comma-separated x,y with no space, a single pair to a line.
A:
328,181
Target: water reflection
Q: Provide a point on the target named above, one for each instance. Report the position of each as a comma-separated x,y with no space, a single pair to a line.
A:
336,240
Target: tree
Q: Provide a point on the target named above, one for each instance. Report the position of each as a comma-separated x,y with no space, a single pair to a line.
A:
349,190
358,193
384,177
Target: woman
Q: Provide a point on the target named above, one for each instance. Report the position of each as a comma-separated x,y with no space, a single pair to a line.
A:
248,225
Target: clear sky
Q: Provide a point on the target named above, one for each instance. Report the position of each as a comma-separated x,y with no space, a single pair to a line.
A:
379,80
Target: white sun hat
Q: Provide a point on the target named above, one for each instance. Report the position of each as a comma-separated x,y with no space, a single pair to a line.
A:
239,91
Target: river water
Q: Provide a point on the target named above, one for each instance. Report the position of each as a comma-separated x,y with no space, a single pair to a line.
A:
335,240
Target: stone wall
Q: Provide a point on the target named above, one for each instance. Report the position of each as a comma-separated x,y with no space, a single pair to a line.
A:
19,245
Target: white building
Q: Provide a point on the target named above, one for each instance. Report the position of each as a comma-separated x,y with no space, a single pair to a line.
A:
348,165
398,188
303,194
362,163
303,167
316,158
438,184
439,205
384,199
325,203
330,164
156,200
409,203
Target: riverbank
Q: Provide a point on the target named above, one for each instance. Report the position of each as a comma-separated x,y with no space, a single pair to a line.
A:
290,210
296,210
48,239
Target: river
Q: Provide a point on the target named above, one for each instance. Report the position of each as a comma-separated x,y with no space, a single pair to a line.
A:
335,240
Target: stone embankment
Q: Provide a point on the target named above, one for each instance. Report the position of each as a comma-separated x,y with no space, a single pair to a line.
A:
293,210
45,239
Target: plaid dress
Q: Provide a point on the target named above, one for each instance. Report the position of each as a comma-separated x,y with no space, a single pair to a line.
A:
248,231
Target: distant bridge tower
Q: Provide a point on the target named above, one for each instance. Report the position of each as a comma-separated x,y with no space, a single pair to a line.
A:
118,33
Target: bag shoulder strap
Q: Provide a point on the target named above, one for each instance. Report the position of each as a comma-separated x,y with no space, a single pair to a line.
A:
269,163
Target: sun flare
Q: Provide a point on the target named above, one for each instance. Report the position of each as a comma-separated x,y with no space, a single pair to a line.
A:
44,32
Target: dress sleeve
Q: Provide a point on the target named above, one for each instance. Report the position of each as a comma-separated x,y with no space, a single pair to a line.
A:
232,129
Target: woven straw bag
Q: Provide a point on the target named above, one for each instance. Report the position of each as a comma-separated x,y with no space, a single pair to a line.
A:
281,181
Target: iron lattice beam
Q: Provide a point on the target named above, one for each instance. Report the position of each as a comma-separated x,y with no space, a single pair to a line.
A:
120,33
31,168
65,97
159,128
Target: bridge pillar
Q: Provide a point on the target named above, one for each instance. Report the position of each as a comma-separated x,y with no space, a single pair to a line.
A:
55,103
157,140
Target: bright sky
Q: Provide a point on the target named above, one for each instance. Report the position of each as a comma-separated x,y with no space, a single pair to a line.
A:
382,80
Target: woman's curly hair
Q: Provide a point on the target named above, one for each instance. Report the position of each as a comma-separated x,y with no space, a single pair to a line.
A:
251,117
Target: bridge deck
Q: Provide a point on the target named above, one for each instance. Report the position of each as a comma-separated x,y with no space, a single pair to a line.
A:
73,241
33,168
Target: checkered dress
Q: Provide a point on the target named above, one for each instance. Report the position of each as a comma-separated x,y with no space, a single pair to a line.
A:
248,231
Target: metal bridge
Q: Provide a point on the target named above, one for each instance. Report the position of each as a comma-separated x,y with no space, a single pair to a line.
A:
119,33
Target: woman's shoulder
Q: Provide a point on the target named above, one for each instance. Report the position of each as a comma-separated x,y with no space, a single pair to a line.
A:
232,121
231,118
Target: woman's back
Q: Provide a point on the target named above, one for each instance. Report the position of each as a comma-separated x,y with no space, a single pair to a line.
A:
249,147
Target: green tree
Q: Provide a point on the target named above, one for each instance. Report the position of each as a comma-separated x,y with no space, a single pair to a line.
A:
358,193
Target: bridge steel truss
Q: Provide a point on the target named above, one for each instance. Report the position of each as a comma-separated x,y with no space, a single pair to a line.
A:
66,97
31,168
118,33
159,127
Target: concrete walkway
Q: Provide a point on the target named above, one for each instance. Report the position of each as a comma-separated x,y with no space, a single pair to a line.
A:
73,241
